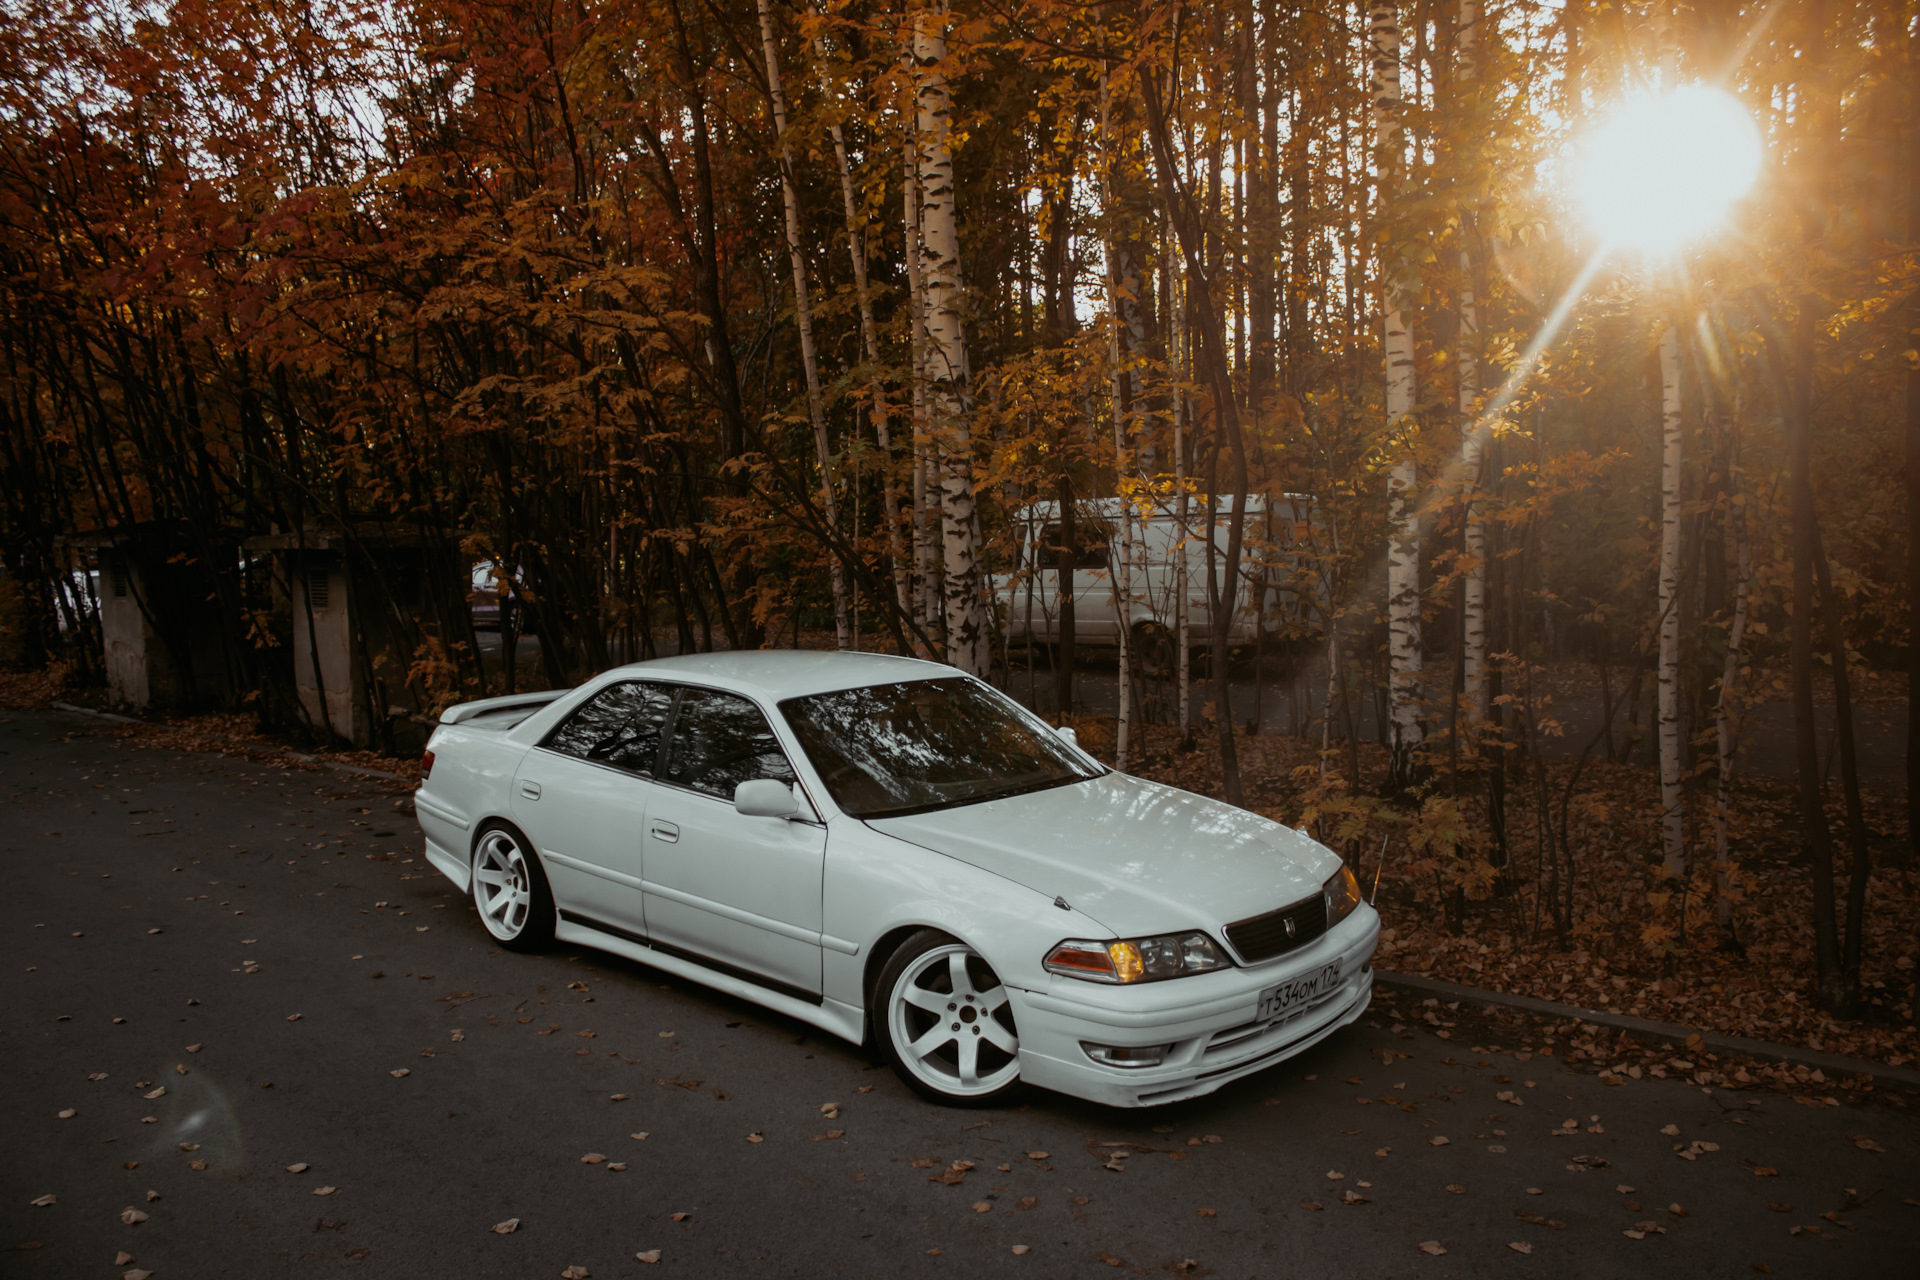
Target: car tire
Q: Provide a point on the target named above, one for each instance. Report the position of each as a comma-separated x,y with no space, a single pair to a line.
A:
510,889
943,1023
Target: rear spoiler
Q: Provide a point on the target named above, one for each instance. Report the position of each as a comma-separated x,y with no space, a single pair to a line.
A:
468,710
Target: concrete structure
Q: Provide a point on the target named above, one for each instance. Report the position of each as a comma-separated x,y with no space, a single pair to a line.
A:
162,643
361,613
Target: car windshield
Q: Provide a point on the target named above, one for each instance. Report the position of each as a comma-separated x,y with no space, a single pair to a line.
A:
895,749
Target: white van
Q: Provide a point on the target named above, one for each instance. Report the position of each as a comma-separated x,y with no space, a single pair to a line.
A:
1271,563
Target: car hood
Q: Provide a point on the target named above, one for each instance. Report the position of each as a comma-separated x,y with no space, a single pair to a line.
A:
1139,857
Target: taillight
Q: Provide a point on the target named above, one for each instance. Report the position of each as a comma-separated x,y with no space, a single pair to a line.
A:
426,765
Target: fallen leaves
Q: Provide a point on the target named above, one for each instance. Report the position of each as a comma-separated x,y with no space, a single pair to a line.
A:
1354,1197
1021,1250
1865,1143
43,1201
1432,1248
298,1168
1037,1155
66,1114
122,1258
1694,1150
618,1097
1028,1202
953,1175
830,1110
593,1157
132,1216
756,1136
1539,1221
1519,1246
983,1206
648,1256
575,1273
399,1072
675,1082
161,1092
829,1135
1437,1141
1314,1205
506,1228
325,1191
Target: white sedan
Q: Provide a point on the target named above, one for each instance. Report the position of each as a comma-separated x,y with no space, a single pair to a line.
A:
881,846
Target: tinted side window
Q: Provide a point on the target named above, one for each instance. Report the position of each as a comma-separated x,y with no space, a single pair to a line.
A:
620,726
719,741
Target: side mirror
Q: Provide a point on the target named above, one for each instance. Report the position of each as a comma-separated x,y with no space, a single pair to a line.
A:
765,798
1066,731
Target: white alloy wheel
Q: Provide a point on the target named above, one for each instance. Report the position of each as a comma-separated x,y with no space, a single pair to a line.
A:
949,1026
510,890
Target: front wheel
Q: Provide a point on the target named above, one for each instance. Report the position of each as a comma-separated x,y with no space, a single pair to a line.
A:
510,890
945,1024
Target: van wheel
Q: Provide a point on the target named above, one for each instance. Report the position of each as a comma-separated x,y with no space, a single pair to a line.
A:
1154,650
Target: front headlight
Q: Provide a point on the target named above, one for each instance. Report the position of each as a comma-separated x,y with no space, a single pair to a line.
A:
1342,893
1170,955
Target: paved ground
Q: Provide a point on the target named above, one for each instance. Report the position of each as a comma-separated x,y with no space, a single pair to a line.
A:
244,968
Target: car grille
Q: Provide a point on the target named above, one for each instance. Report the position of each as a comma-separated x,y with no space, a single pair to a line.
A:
1260,938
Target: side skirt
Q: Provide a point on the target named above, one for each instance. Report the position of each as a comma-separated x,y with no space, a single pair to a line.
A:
843,1020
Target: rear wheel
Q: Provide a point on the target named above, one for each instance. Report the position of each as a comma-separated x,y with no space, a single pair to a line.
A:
510,889
944,1023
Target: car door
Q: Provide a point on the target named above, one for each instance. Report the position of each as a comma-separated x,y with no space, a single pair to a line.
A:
740,891
581,796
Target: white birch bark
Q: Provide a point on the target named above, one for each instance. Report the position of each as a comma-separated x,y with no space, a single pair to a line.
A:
1123,571
1403,517
1473,619
1673,813
926,599
949,394
870,346
803,320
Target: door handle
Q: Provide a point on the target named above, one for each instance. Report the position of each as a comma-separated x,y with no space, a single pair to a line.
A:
531,790
665,831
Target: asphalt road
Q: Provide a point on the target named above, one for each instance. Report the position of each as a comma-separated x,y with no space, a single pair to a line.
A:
226,969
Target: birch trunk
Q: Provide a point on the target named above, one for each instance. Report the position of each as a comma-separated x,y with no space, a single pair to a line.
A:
1403,518
1473,614
949,395
1673,813
926,602
870,348
803,320
1122,572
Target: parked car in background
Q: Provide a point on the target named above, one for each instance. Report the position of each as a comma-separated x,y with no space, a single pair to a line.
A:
885,847
1277,560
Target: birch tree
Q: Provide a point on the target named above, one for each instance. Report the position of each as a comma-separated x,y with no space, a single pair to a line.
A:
1673,813
1403,517
949,393
803,320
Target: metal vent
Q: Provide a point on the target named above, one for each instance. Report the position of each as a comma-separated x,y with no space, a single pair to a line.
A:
1263,937
318,581
119,576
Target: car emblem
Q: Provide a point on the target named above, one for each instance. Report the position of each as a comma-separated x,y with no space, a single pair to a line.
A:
1290,927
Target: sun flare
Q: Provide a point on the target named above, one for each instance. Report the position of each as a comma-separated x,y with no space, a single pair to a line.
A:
1665,168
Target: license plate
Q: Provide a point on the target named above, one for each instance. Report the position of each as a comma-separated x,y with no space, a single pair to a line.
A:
1277,1002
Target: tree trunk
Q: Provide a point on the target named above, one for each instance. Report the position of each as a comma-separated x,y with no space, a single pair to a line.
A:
1213,350
1121,574
803,320
1473,608
1851,947
926,598
1068,550
1673,810
1177,362
876,392
969,641
1727,712
1403,517
1913,477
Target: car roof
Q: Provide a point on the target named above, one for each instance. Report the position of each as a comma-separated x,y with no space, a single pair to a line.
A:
774,674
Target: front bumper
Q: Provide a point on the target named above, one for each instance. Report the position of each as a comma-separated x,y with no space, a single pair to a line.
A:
1211,1020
